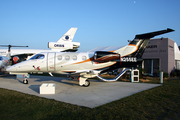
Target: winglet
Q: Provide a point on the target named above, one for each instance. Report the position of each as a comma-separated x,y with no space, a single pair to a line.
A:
68,36
152,34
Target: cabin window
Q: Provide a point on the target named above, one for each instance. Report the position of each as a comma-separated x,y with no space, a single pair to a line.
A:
84,58
67,57
37,56
74,57
59,57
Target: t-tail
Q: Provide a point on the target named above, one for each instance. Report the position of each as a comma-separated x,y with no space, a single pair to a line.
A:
137,46
65,42
129,54
68,36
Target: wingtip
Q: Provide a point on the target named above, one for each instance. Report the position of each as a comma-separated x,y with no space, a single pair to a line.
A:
170,30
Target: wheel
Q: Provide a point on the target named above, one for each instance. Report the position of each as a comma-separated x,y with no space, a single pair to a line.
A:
87,83
25,81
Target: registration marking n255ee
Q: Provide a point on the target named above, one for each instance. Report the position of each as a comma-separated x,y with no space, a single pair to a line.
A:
128,59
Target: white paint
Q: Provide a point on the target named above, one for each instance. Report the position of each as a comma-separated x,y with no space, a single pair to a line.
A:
47,88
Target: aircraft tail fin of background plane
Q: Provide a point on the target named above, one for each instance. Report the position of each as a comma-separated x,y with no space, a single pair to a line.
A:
65,42
68,36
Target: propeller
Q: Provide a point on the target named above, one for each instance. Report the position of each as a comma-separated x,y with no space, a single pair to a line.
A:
9,48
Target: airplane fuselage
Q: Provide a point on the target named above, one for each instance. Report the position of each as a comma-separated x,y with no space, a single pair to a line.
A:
60,62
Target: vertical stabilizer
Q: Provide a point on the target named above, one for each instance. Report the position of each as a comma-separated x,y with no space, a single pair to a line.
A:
138,45
68,36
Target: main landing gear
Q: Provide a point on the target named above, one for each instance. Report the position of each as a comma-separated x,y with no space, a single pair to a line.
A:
87,83
83,81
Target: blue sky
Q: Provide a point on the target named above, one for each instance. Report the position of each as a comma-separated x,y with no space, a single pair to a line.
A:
99,22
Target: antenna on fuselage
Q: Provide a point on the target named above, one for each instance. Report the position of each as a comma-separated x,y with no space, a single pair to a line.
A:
129,41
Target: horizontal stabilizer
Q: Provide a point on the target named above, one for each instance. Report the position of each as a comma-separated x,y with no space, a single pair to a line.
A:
152,34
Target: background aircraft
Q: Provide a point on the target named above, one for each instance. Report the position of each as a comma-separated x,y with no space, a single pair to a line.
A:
4,61
90,64
63,44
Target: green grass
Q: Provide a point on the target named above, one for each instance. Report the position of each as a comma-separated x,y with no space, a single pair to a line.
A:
158,103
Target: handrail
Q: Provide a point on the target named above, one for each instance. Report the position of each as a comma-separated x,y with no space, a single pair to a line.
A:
114,79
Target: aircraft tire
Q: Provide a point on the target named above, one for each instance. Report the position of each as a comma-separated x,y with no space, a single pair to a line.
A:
87,83
25,81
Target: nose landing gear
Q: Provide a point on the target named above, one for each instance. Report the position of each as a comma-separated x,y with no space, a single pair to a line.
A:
25,81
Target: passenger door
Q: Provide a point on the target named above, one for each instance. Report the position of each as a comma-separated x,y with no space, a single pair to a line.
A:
51,62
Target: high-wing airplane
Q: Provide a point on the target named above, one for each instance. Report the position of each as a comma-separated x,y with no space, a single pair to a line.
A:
63,44
4,61
89,64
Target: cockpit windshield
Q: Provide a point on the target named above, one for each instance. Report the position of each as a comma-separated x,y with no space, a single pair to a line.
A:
1,58
37,56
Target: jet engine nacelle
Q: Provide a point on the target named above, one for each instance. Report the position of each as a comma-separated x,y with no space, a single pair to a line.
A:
63,45
103,56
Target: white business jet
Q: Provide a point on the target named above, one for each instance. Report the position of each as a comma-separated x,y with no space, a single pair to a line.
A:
89,64
63,44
